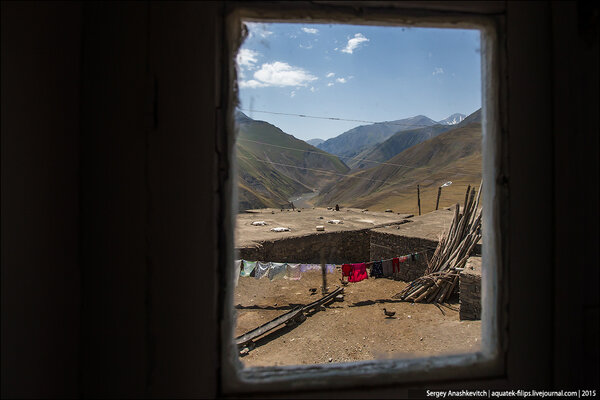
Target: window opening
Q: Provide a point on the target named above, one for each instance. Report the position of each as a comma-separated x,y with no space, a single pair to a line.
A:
353,146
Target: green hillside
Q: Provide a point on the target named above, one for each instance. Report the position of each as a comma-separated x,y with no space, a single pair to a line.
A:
274,166
454,156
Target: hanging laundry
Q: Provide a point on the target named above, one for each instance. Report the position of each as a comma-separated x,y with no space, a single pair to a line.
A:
387,267
330,268
293,272
346,270
277,270
377,270
262,269
359,272
403,259
310,267
248,269
396,264
237,270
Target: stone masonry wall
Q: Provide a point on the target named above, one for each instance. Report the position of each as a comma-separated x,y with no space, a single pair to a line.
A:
337,247
470,290
387,245
364,245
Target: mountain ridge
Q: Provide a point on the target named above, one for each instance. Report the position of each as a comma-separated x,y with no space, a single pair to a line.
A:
453,119
452,155
355,140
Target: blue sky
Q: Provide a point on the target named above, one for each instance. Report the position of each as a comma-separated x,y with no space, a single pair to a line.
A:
356,72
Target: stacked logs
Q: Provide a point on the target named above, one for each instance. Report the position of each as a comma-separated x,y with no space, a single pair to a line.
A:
441,276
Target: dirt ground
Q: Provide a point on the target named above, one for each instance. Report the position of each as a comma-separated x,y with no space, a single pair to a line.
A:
352,330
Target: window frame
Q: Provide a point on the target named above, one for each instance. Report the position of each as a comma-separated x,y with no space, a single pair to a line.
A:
490,361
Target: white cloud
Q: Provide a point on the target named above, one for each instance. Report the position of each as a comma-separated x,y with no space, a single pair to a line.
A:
247,58
330,84
341,80
437,71
354,43
293,94
330,75
257,28
312,89
251,84
311,30
278,74
307,47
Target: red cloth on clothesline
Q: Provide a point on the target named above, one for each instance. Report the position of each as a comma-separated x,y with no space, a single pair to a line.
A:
359,272
346,270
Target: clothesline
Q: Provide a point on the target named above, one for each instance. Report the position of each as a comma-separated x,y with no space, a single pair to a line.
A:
294,271
378,269
274,270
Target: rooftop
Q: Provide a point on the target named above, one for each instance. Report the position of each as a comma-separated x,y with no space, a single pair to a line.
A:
305,222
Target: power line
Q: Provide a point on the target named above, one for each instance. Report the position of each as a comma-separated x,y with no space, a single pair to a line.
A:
351,158
319,170
313,169
336,119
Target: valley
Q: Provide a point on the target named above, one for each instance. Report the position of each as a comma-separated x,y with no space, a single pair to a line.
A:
374,166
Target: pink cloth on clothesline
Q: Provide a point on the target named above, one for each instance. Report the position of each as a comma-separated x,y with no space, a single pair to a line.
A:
359,272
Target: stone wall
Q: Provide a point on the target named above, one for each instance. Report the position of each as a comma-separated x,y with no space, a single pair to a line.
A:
470,290
369,244
387,245
337,247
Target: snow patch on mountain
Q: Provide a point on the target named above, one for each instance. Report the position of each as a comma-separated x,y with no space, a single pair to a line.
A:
453,119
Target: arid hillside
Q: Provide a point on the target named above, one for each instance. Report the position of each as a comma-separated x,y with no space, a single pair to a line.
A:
274,166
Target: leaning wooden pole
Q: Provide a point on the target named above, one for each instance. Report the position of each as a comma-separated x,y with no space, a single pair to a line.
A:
437,203
466,198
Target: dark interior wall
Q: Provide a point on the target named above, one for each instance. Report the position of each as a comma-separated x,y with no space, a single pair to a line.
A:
148,190
109,194
530,226
114,200
576,30
40,86
182,193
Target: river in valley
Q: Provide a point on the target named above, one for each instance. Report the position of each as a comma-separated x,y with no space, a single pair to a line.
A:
303,201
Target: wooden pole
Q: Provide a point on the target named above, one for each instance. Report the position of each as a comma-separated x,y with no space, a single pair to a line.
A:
437,203
466,198
324,272
419,198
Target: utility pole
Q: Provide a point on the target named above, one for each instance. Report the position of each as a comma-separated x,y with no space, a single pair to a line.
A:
419,198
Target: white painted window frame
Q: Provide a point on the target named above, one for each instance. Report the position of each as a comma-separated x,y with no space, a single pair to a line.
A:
487,363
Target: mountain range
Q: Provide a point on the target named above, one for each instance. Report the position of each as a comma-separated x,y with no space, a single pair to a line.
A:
380,141
352,142
395,144
273,166
453,119
453,155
